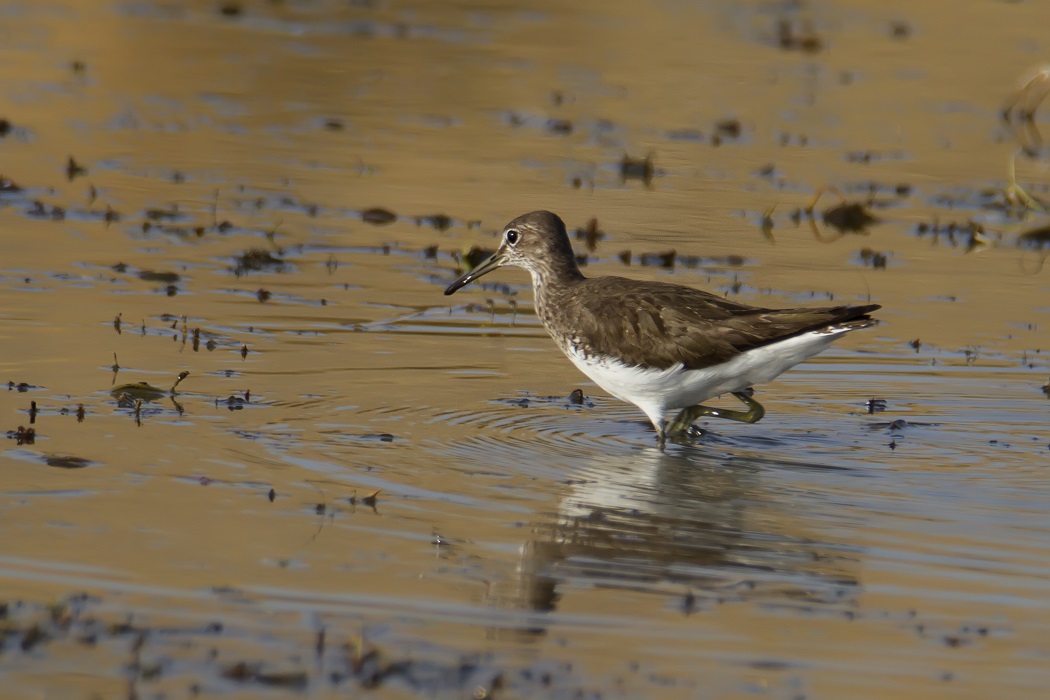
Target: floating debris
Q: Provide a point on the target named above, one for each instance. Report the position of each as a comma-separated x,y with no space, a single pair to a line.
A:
256,260
1036,239
591,234
230,8
792,38
561,127
234,403
163,214
689,603
378,216
665,259
637,169
726,129
67,462
74,169
873,259
42,211
969,234
154,276
143,391
766,225
244,672
23,435
442,222
849,217
845,217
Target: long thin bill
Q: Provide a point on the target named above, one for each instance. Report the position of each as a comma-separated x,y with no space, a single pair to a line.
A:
488,265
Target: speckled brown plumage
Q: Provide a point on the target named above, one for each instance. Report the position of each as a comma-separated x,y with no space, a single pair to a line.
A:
664,347
655,324
652,324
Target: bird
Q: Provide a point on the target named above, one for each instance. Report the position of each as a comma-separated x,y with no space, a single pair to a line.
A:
666,348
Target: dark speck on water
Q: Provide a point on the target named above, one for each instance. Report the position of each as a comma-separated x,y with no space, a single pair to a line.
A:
67,462
163,214
791,38
74,169
378,216
256,260
43,211
154,276
22,436
875,406
637,169
591,234
442,222
728,128
873,259
1036,239
849,217
230,8
559,126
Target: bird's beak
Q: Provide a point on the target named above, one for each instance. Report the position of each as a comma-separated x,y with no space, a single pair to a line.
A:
486,266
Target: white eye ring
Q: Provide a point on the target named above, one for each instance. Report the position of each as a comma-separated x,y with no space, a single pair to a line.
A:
513,237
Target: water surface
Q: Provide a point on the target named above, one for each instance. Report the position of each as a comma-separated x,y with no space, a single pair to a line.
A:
365,486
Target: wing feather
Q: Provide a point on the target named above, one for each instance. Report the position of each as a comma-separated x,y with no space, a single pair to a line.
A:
659,324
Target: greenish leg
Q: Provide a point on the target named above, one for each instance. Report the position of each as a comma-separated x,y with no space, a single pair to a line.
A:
679,427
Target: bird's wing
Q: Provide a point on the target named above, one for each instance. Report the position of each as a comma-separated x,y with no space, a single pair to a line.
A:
659,325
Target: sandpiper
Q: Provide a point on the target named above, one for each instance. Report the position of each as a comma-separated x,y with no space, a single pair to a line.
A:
663,347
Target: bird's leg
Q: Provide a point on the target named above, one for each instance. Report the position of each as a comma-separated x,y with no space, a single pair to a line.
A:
680,426
661,435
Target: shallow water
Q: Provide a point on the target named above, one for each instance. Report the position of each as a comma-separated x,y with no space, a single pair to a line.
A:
222,540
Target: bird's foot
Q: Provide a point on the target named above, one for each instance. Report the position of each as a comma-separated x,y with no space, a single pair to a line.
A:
682,426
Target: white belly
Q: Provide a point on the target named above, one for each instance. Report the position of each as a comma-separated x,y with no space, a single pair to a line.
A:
659,391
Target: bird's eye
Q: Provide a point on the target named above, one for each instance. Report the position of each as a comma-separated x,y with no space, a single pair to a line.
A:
513,236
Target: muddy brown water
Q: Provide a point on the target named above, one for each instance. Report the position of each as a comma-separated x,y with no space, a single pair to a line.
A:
519,545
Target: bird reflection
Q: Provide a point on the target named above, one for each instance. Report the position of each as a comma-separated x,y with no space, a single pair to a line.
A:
694,526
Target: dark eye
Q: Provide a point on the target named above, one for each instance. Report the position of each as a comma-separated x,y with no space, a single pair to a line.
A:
512,237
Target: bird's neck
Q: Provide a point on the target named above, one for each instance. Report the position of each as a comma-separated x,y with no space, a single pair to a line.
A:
551,282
